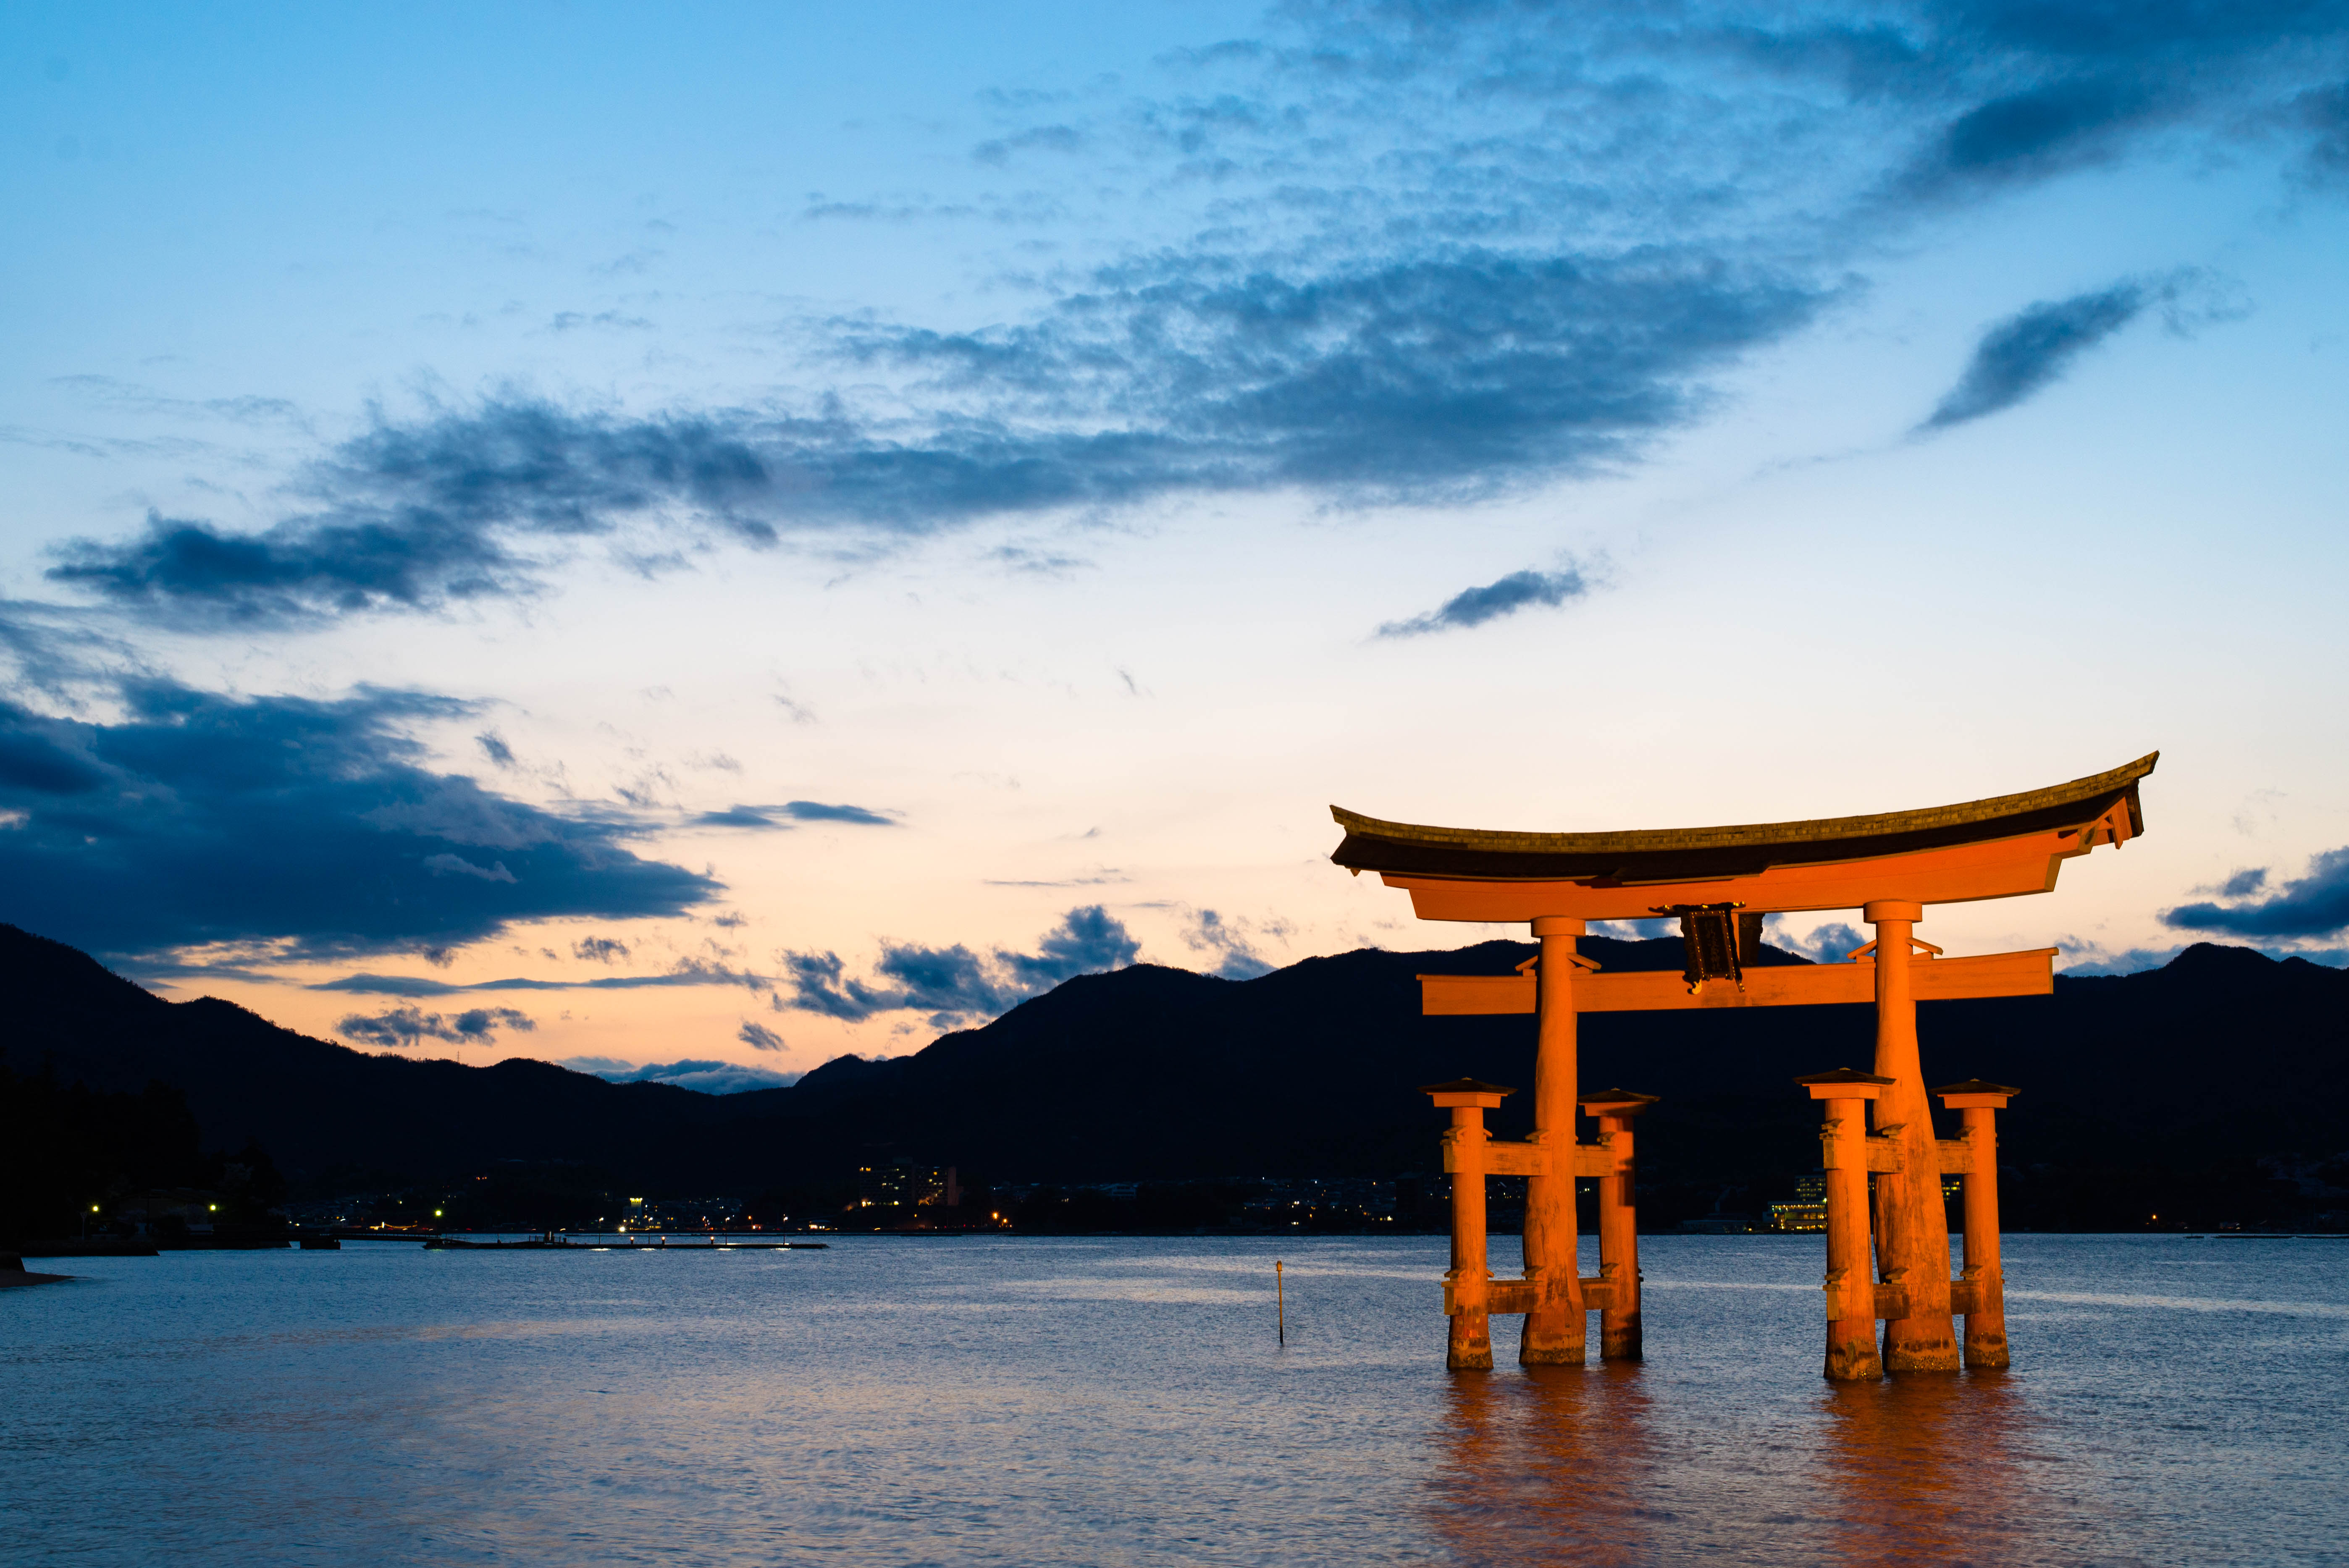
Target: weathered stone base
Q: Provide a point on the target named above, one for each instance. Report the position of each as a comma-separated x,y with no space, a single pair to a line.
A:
1470,1347
1920,1344
1553,1339
1986,1345
1851,1352
1620,1337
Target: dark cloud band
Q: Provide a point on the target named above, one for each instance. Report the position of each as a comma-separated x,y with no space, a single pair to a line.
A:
196,819
2028,351
1505,596
953,985
2314,905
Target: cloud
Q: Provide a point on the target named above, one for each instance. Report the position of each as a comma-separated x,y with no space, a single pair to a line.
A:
953,985
311,825
684,972
2034,131
759,1038
2028,351
1440,377
458,866
1422,254
1829,944
1505,596
2316,905
1238,959
2325,111
403,1026
817,811
791,811
56,650
599,949
1637,929
705,1077
1036,138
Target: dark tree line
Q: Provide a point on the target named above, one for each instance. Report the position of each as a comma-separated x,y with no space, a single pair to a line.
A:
67,1149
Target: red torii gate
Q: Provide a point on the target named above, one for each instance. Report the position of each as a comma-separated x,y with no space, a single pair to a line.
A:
1721,881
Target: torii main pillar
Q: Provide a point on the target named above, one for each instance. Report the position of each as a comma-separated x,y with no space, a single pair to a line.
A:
1556,1331
1912,1227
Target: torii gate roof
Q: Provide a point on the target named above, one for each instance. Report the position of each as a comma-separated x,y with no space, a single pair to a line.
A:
1996,848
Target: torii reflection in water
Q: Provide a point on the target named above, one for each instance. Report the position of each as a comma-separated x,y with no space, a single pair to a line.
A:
1556,1465
1601,1467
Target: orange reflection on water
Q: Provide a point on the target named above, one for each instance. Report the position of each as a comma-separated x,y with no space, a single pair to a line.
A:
1546,1464
1612,1465
1929,1468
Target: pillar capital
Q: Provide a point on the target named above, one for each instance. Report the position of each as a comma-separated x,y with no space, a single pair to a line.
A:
1560,925
1467,1091
1976,1092
1880,910
1846,1083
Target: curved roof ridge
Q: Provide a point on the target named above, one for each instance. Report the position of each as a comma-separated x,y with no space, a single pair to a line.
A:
1754,835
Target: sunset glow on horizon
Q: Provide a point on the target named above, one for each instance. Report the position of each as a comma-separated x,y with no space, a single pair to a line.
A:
689,543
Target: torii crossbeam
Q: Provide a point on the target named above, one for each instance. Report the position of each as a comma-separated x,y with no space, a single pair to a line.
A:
1721,881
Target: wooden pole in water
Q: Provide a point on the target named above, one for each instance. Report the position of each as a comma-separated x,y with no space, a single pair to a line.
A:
1556,1329
1280,1300
1979,1104
1850,1290
1467,1287
1620,1337
1913,1228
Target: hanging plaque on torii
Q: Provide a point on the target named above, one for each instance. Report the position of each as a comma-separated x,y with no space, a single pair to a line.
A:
1721,882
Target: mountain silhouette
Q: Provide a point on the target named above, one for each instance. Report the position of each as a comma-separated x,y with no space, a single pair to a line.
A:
2214,1087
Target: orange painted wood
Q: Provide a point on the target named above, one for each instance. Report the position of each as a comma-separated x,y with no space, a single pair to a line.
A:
1555,1330
1464,994
1468,1335
1984,1294
1957,874
1523,1296
1617,1299
1604,1160
1509,1158
1851,1292
1913,1228
2030,973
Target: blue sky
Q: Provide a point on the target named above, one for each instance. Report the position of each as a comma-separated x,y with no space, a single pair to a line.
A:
717,537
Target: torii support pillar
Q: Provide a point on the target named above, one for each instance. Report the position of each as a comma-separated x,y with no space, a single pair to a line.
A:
1983,1282
1555,1330
1467,1288
1619,1226
1851,1291
1913,1228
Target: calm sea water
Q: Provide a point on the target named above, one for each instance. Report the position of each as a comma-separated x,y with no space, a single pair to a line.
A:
1123,1401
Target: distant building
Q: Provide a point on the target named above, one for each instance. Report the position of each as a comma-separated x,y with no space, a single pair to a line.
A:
902,1184
1808,1212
